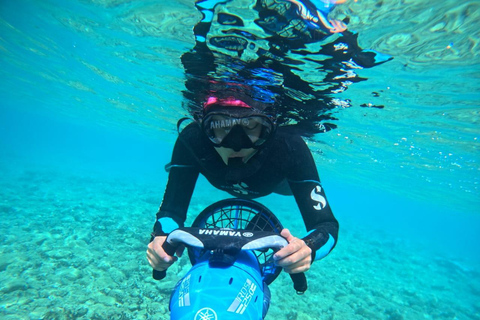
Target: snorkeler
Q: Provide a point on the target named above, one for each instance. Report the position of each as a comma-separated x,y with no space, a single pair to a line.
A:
248,142
236,144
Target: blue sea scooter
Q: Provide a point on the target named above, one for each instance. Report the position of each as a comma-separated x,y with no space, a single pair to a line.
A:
230,246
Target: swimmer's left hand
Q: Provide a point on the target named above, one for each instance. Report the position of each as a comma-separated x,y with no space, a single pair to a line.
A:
296,256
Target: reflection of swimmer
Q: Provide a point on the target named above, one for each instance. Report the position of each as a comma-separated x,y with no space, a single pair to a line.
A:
315,17
274,49
236,145
286,24
294,39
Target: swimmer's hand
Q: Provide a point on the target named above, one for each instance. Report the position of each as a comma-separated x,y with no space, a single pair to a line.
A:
296,256
158,258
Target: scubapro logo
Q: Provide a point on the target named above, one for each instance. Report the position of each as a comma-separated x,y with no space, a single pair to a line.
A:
317,197
205,314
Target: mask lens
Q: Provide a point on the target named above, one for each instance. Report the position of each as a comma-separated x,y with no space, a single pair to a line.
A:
218,126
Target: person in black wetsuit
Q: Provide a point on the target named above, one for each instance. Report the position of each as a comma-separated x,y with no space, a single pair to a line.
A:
236,145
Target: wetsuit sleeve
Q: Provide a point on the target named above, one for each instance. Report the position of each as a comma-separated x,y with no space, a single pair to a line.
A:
178,193
305,184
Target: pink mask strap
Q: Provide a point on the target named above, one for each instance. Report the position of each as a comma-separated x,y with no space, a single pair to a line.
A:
230,101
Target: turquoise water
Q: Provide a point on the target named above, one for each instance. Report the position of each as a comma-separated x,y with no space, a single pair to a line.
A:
90,94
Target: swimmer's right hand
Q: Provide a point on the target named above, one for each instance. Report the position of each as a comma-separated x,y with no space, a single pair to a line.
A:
157,257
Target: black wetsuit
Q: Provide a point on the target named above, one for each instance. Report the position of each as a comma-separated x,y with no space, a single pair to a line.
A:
283,164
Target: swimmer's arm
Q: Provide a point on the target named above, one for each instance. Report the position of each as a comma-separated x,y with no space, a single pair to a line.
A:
181,182
312,202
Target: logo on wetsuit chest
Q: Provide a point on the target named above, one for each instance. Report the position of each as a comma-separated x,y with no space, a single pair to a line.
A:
240,188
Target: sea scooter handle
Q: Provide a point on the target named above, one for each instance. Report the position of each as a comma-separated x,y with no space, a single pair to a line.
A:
231,241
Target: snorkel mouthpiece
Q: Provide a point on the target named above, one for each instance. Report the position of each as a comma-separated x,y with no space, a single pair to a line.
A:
235,162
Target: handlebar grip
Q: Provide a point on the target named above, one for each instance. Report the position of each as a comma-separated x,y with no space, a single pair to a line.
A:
170,250
299,282
159,275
